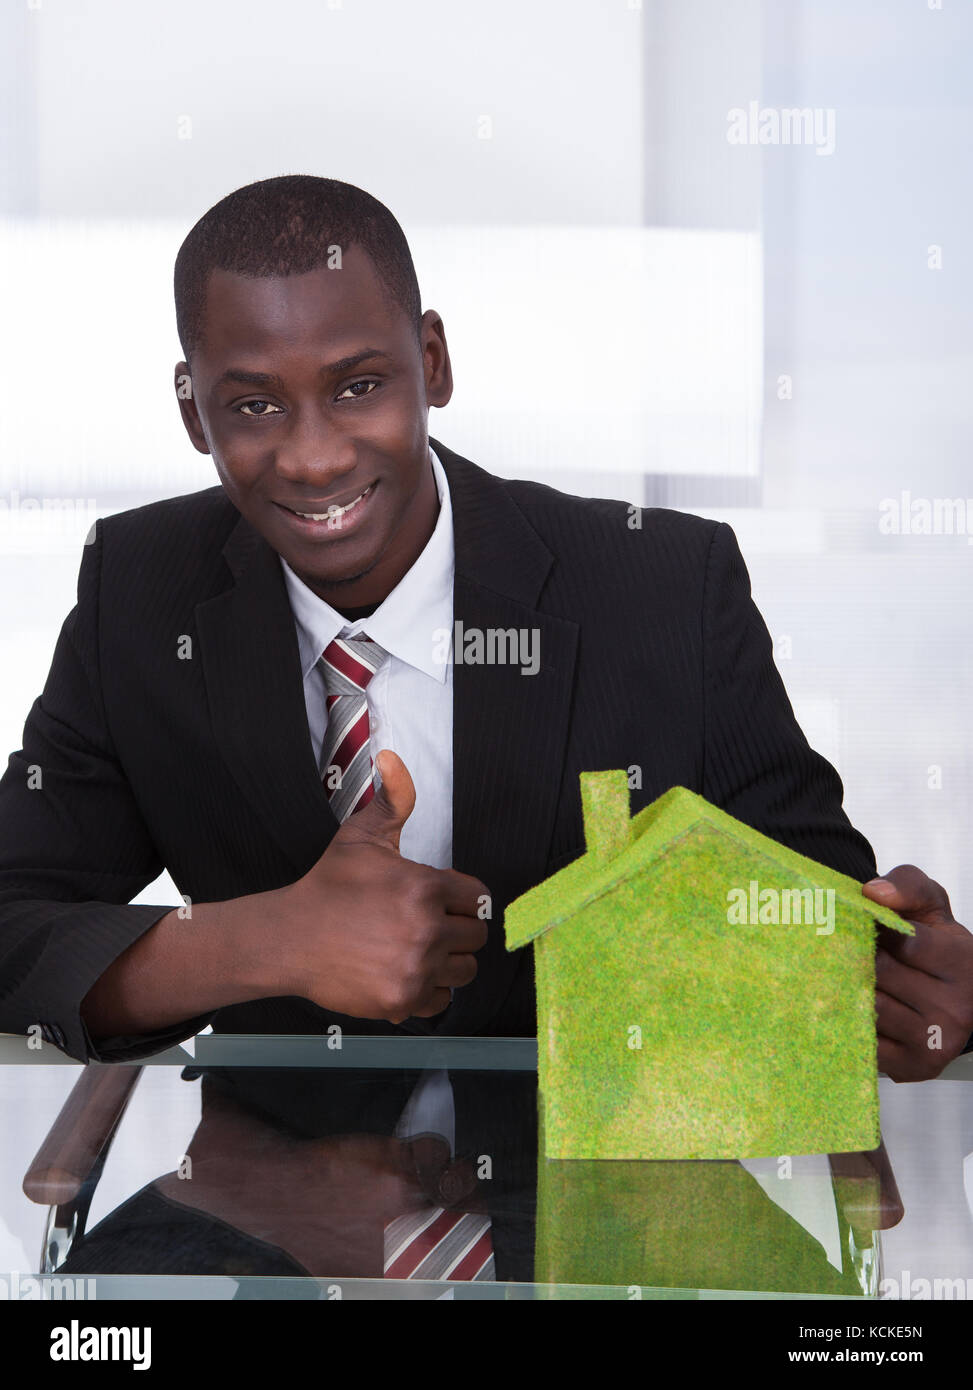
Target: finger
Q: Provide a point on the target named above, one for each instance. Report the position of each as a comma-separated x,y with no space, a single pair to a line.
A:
429,1156
931,949
433,1002
910,893
464,894
456,971
381,820
463,935
898,1061
897,1022
910,986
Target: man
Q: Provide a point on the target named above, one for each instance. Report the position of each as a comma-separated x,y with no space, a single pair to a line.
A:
240,660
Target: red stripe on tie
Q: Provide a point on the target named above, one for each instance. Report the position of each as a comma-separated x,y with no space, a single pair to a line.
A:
474,1259
353,741
367,792
345,663
416,1251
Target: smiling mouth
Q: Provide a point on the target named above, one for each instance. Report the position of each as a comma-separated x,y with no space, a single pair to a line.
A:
333,510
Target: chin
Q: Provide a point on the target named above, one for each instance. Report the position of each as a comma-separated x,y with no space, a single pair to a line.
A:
335,576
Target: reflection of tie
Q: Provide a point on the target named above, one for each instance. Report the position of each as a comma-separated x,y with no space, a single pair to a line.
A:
439,1244
348,664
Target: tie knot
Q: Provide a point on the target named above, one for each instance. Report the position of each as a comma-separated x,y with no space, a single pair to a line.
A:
348,664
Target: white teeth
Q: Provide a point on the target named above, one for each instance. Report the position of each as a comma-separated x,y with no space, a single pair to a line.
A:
332,511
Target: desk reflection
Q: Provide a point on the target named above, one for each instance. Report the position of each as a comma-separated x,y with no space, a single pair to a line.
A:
300,1172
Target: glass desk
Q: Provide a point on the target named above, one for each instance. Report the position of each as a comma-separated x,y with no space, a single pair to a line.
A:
287,1168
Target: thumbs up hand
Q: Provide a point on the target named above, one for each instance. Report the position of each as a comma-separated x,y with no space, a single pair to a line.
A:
380,822
373,935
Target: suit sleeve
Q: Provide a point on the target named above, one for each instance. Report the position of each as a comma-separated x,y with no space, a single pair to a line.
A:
74,851
758,765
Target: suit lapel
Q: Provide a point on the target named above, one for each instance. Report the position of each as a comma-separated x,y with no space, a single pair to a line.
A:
252,668
509,728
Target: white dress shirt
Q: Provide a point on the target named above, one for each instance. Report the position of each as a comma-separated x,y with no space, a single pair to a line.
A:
410,711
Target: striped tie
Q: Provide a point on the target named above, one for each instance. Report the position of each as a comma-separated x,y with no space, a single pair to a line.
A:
348,664
439,1244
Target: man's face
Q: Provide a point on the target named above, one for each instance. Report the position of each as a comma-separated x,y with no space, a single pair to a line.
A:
311,392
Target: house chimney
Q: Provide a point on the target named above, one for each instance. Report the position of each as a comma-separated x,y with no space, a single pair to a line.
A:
605,806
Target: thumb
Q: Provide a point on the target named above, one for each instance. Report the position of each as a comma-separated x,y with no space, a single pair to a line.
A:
912,894
391,806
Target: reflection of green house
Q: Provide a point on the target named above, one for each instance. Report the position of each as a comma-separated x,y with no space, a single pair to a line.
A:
702,991
672,1226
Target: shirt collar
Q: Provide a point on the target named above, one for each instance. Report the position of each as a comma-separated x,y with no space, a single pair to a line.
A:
406,622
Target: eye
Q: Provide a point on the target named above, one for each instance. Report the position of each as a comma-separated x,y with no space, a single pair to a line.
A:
258,408
357,395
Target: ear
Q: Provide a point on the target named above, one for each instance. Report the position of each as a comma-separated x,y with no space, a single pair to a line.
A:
187,407
435,359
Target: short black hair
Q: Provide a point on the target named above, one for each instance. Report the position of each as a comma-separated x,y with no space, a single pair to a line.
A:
285,226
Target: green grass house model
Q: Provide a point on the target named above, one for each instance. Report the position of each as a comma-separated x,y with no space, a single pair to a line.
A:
702,991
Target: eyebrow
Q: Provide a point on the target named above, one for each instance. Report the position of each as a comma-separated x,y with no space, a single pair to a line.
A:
242,377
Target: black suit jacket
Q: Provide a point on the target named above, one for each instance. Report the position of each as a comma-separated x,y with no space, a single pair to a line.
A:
196,756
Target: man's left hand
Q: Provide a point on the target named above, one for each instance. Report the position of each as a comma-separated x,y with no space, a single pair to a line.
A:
923,983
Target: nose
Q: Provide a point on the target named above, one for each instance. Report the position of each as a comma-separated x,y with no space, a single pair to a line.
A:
310,453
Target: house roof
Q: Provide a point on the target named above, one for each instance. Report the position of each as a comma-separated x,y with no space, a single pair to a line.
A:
622,847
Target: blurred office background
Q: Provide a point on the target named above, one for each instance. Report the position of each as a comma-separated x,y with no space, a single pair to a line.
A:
642,300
